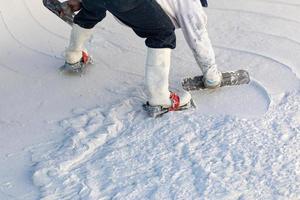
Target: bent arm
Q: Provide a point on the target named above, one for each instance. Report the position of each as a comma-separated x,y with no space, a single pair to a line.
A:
193,20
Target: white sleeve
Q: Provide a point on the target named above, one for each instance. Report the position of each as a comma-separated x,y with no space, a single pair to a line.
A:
192,20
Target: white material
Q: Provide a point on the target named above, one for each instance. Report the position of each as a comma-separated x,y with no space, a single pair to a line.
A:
227,148
157,78
191,18
77,40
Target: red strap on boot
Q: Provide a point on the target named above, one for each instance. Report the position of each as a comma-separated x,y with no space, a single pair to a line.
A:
175,102
85,57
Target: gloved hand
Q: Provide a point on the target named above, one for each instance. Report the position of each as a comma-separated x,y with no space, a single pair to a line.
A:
75,5
69,7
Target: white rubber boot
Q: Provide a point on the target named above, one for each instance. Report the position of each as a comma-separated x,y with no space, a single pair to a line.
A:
76,46
157,79
212,77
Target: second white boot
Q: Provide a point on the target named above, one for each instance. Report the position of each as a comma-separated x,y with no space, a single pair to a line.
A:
157,80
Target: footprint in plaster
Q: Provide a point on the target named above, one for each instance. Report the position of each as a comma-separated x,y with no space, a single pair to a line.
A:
250,100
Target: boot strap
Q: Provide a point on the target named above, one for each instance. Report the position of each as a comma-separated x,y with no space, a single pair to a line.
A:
85,57
175,102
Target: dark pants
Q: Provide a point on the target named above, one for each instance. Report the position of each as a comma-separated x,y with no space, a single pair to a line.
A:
145,17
